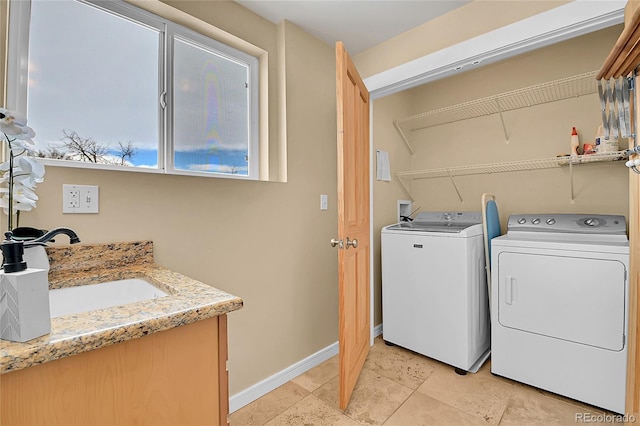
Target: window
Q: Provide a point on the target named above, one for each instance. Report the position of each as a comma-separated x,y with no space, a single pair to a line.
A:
110,84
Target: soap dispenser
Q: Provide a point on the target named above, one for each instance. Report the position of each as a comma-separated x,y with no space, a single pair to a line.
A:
24,296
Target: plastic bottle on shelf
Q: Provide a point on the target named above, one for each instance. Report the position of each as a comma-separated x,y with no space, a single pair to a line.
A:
609,145
599,139
606,145
575,143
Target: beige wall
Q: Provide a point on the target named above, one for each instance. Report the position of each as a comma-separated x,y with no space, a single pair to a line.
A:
468,21
263,241
387,194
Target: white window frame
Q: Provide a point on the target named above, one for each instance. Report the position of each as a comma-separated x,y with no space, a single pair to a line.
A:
17,81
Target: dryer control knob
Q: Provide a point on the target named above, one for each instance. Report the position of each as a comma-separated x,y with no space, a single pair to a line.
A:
535,221
551,221
522,220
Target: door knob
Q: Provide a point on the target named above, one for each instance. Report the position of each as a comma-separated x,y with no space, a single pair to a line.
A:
338,243
353,243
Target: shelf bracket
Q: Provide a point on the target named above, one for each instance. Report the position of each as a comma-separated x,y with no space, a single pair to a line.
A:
405,187
404,138
504,127
453,182
573,198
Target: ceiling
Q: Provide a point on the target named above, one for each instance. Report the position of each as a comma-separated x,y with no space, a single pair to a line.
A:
359,24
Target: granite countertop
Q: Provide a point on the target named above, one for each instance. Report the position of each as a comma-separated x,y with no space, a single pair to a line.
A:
188,301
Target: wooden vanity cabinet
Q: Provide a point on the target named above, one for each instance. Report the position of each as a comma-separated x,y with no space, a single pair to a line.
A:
172,377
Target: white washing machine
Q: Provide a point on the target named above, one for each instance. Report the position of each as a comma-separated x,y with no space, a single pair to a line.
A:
559,305
434,292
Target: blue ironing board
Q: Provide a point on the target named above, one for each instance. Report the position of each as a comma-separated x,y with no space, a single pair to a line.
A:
493,225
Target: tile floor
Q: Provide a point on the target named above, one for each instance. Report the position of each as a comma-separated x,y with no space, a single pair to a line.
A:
400,388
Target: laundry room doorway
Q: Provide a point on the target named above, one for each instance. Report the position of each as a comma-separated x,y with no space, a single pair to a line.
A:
353,243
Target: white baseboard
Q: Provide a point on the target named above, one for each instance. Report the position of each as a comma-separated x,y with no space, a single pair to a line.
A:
377,330
254,392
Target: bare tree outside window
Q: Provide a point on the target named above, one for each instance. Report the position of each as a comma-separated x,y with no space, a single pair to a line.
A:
86,149
127,152
75,147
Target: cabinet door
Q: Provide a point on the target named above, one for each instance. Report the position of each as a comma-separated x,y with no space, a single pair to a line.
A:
571,298
166,378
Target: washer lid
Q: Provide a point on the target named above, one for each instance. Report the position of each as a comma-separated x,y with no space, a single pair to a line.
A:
430,227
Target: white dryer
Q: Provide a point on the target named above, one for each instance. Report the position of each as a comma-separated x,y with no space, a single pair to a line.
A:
559,305
434,292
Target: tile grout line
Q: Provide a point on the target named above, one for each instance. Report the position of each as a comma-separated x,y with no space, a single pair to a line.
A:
286,408
414,391
301,399
400,406
505,409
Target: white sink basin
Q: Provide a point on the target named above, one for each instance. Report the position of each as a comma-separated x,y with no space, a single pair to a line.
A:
84,298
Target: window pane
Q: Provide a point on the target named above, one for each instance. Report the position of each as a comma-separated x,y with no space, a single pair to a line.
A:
93,80
211,111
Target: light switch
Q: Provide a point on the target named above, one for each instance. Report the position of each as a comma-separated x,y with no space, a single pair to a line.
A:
324,202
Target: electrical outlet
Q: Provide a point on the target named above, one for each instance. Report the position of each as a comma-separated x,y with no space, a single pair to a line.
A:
74,198
80,199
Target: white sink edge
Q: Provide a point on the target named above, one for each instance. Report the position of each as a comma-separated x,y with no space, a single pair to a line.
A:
86,298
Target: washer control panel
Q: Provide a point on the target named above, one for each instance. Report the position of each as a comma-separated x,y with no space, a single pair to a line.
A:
449,217
568,223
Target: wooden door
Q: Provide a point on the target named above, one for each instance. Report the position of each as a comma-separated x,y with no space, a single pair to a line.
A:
353,222
633,357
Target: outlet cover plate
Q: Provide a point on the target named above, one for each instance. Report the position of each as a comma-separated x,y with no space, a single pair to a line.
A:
80,199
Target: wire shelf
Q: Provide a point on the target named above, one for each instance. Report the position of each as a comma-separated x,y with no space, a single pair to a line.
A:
513,166
564,88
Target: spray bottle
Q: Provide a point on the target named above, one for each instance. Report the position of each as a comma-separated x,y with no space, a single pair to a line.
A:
575,143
